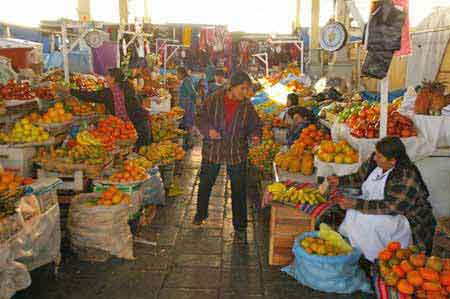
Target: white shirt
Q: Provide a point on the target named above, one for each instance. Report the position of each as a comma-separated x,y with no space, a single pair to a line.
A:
372,233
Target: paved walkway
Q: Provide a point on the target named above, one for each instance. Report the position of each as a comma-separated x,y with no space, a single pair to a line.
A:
188,262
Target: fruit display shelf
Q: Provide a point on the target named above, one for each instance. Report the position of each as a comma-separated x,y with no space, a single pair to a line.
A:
417,146
282,175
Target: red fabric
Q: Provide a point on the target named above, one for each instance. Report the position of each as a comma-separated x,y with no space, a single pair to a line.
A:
406,48
230,107
18,56
119,103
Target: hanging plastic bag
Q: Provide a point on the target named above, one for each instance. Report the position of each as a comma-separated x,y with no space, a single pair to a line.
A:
331,274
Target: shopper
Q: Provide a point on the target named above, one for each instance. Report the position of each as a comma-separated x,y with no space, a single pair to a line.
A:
394,205
121,100
210,71
219,81
187,100
227,121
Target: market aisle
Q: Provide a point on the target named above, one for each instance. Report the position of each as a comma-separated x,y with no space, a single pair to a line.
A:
188,262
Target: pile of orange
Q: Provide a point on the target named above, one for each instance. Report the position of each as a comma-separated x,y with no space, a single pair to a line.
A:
113,196
339,153
117,128
130,173
311,136
413,274
108,141
10,181
56,114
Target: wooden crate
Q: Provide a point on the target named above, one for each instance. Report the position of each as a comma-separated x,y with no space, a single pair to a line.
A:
286,224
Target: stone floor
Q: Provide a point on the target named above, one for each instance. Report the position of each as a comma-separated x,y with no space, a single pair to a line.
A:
188,262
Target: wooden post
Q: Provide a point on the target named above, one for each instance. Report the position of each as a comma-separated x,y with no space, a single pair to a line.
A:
384,90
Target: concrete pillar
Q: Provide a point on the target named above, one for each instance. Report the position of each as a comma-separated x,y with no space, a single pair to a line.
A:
341,16
84,10
146,12
297,14
123,11
315,31
315,67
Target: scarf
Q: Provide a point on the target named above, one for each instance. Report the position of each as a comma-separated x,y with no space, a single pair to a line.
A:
120,109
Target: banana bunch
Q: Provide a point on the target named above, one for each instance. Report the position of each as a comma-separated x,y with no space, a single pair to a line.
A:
306,195
293,195
278,190
84,138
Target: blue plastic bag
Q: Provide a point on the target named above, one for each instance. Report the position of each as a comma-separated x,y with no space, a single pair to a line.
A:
331,274
154,193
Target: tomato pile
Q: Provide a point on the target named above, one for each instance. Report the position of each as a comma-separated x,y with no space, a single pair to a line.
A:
116,127
365,123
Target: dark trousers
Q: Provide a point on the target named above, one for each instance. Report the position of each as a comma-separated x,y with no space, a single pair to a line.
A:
237,174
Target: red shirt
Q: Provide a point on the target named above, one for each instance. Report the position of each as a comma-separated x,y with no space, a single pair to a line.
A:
230,106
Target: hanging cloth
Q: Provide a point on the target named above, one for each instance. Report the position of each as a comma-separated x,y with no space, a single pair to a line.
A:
187,36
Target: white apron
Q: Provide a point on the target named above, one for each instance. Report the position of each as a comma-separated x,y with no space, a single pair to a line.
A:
372,233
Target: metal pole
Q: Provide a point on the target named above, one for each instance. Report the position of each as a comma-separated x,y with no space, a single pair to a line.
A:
65,51
384,89
165,65
302,58
358,67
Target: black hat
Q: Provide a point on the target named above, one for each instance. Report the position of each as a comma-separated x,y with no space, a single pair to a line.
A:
239,78
220,72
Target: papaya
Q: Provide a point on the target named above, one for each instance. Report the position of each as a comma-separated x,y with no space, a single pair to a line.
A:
307,164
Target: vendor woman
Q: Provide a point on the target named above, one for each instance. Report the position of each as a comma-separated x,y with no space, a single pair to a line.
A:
394,205
121,100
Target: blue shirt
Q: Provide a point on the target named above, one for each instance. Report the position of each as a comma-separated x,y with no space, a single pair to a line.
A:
295,133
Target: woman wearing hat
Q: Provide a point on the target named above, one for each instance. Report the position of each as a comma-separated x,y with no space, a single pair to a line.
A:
227,121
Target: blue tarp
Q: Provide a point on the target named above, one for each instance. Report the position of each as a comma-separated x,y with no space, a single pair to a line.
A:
78,61
30,34
375,97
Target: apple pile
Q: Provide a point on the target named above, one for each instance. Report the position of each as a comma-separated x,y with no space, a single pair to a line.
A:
86,82
16,91
46,92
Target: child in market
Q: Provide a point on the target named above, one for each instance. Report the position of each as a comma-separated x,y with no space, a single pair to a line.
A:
301,118
292,101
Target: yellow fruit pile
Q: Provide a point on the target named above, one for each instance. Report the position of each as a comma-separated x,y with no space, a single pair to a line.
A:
318,246
140,162
296,159
162,153
294,195
25,132
340,153
56,114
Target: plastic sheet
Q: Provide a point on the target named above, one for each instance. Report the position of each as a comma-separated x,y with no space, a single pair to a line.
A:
333,274
37,243
154,192
100,227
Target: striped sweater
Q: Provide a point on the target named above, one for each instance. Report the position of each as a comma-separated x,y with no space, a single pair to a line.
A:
232,147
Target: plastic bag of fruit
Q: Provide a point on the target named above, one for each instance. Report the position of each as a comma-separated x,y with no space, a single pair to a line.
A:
103,227
330,271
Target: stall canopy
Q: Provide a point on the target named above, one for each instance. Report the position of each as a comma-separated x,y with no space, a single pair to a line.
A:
19,52
429,42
